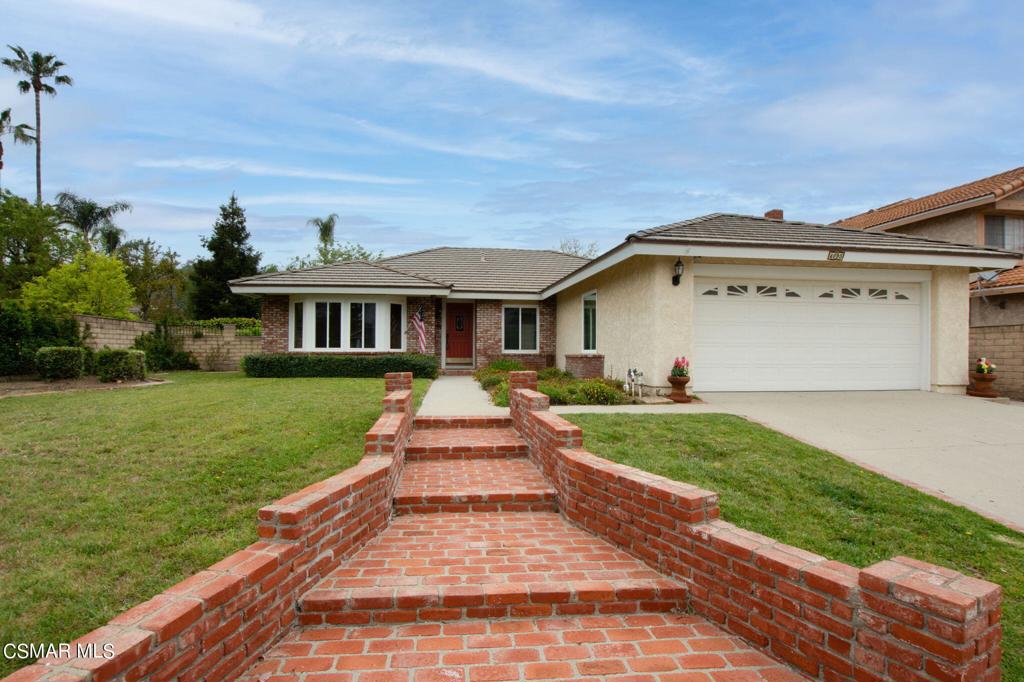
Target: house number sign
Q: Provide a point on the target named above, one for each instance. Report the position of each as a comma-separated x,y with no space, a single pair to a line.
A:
836,255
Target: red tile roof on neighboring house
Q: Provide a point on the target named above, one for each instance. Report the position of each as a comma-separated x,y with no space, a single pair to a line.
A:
1014,277
995,186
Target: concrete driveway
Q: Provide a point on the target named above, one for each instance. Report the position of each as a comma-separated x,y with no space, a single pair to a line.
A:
966,449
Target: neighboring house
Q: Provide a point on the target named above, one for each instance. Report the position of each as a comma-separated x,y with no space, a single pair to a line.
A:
986,212
758,304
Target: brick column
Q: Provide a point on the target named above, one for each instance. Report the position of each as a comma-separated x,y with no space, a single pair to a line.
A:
925,622
398,381
522,380
274,322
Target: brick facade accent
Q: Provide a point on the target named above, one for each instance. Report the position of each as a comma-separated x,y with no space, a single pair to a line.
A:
431,323
896,620
585,366
219,622
274,322
489,346
1005,347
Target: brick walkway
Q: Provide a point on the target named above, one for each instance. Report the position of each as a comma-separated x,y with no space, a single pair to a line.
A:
479,579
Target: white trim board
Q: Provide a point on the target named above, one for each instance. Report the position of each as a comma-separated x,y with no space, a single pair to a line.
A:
810,273
299,291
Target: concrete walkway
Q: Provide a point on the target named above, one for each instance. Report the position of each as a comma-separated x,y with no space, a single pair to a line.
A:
450,395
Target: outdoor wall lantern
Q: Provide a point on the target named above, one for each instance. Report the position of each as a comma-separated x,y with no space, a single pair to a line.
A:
676,278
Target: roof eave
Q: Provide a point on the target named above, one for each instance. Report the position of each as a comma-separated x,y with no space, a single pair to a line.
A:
294,289
925,215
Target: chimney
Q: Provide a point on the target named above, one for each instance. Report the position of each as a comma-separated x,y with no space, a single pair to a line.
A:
774,214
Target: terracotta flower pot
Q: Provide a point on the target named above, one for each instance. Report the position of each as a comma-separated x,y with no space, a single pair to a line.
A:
983,386
678,393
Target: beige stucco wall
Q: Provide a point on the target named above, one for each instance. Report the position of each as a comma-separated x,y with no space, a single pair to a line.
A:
641,318
644,322
950,328
961,227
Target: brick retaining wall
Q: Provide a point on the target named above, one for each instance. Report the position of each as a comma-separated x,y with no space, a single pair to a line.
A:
217,623
1004,346
896,620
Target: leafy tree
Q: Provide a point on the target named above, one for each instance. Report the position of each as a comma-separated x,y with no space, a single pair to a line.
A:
38,68
154,274
31,242
91,284
574,247
231,257
110,238
91,220
21,133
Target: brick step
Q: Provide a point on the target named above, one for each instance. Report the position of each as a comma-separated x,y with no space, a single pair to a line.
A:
473,485
465,443
436,567
647,647
465,422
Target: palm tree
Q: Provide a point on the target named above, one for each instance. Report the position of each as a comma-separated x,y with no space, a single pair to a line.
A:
38,68
110,238
324,233
89,218
21,133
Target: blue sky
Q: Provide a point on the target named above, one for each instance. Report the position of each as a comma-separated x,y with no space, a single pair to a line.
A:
512,124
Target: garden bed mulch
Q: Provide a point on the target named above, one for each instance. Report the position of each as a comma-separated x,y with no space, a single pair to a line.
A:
12,387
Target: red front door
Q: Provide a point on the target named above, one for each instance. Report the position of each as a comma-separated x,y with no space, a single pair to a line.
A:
459,333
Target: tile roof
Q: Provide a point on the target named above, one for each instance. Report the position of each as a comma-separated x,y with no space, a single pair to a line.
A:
524,271
1014,277
357,273
995,186
489,270
728,229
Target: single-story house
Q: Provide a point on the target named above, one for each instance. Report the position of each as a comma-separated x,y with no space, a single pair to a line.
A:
756,303
985,212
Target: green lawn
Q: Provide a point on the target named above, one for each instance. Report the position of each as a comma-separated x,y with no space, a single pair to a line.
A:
109,497
772,484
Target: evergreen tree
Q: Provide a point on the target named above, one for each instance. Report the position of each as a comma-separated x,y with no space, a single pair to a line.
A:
231,257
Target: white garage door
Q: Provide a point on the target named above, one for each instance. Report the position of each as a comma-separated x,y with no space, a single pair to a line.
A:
771,335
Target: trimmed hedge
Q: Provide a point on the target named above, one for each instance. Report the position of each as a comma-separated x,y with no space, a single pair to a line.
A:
24,330
120,365
60,362
366,366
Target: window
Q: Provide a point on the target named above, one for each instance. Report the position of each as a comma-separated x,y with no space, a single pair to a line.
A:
520,328
362,331
328,325
1004,232
297,325
767,291
590,322
396,326
713,291
878,294
736,290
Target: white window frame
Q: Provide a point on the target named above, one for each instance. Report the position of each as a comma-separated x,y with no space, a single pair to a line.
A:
376,329
583,323
382,337
506,351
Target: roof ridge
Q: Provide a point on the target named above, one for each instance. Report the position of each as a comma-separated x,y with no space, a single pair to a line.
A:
391,268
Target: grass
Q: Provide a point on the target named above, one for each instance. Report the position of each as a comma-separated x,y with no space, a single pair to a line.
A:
109,497
803,496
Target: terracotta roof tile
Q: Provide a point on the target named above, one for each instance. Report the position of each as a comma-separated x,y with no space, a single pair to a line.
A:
1014,277
995,186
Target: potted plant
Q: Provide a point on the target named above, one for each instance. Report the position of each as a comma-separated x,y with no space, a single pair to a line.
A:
984,376
679,377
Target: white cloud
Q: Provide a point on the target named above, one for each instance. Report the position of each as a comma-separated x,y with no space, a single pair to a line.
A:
497,149
251,168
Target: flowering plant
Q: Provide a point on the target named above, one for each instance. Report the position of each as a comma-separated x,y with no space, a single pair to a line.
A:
681,367
985,367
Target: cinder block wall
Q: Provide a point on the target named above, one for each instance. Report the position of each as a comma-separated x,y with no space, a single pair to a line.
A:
1005,347
106,332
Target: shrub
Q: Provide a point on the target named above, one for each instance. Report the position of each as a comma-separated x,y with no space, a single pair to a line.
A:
60,362
164,350
244,326
505,365
120,365
597,392
289,365
550,373
24,330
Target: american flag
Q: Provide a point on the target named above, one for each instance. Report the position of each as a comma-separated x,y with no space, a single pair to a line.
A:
421,331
